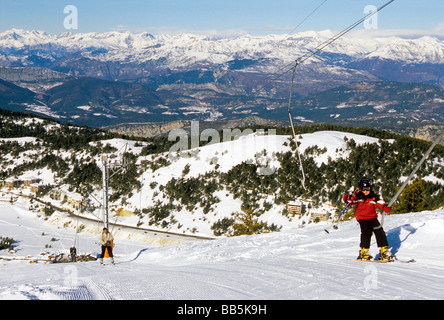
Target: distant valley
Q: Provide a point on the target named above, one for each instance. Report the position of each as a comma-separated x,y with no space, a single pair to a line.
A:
117,78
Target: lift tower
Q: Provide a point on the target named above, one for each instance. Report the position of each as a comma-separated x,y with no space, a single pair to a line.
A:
114,167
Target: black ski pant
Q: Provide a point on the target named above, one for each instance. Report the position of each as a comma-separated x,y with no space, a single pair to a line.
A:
368,227
110,251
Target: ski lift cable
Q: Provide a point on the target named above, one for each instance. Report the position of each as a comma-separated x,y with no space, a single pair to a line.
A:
307,17
307,56
340,34
290,66
286,67
326,43
392,201
294,133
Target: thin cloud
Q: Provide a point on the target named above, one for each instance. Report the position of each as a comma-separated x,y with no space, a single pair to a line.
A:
171,30
437,32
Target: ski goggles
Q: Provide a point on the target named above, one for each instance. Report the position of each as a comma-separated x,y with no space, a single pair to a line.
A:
366,188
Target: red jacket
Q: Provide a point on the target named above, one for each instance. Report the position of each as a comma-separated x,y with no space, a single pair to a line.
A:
366,205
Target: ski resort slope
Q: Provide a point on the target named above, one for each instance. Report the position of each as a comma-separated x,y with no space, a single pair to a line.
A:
303,263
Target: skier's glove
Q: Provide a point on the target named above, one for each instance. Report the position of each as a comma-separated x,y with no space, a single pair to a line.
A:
386,208
348,198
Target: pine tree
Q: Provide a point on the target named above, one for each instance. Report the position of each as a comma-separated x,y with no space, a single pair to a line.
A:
412,199
246,222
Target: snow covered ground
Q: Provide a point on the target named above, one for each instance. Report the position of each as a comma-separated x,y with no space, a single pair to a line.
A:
299,263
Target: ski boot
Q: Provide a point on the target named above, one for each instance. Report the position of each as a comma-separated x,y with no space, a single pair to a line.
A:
385,254
364,254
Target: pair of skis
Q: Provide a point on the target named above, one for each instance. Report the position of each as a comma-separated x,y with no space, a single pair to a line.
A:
385,261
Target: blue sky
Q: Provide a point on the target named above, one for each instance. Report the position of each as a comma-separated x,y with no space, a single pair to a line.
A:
222,17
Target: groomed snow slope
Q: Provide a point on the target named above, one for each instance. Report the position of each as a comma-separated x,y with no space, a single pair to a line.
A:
302,263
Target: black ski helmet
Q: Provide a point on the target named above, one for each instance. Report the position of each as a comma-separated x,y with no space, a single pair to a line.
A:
365,182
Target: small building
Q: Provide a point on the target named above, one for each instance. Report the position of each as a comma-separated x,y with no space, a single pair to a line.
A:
27,182
74,200
13,183
294,208
35,187
318,214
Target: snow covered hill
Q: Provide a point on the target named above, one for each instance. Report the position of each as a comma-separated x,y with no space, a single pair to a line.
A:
199,192
299,263
160,170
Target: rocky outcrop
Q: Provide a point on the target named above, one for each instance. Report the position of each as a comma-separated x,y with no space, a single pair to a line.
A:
35,79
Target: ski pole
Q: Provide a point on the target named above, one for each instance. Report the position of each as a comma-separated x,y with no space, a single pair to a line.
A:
342,212
412,174
335,226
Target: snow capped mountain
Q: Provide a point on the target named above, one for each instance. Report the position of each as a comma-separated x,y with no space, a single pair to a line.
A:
123,56
191,76
422,50
185,49
19,38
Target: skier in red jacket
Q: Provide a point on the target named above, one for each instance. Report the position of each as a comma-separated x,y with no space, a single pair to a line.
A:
366,202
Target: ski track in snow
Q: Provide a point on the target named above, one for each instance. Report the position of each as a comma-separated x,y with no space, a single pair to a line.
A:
301,263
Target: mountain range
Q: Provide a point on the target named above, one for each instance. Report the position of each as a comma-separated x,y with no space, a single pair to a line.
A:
102,79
